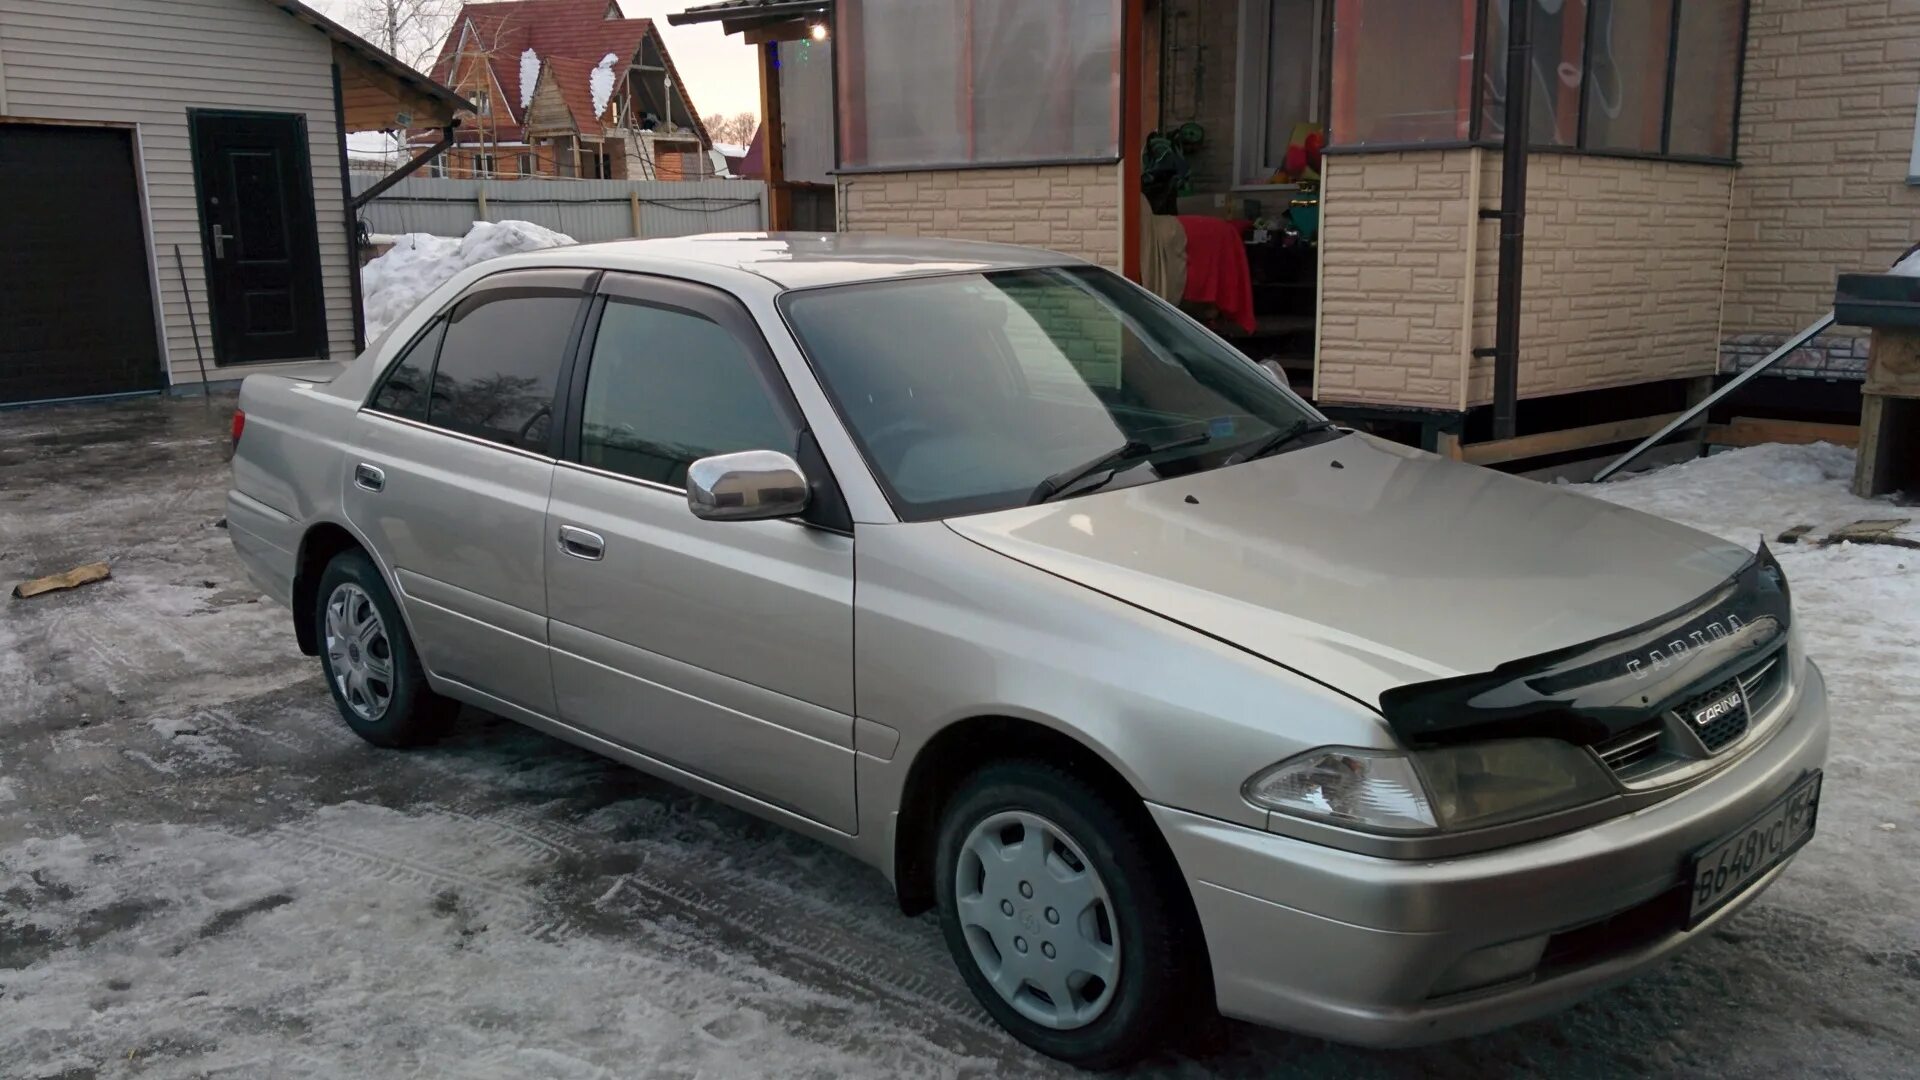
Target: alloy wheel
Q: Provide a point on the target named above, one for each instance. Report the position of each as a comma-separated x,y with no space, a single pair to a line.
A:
1038,920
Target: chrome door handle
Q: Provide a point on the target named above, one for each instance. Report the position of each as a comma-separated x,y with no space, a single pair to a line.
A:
220,239
582,544
368,477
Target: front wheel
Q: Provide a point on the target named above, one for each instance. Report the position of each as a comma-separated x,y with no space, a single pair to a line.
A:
369,661
1066,928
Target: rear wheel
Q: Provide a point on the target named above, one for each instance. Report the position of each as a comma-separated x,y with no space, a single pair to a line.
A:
1065,927
370,663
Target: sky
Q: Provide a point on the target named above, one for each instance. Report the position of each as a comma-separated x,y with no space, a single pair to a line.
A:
719,70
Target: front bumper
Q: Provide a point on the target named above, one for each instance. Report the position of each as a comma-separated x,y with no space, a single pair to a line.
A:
1351,947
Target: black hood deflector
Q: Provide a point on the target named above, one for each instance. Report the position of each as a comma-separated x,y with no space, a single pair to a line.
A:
1589,692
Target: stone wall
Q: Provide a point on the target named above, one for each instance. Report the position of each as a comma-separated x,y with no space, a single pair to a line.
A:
1069,208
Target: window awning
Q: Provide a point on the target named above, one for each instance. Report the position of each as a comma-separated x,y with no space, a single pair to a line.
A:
745,16
378,91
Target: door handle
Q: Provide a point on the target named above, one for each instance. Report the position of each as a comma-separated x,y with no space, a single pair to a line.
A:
220,239
369,477
582,544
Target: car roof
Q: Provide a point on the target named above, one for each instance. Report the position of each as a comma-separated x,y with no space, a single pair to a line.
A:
796,260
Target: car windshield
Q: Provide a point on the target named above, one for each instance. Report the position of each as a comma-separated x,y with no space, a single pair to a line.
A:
978,392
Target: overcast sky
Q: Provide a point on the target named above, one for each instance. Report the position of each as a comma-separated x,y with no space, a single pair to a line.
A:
719,70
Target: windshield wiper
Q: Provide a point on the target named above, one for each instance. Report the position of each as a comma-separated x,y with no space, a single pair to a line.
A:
1129,451
1286,437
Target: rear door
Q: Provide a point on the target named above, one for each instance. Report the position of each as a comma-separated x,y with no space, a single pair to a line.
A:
450,480
722,648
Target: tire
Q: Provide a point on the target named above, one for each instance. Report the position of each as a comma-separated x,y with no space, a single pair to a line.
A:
1136,907
370,663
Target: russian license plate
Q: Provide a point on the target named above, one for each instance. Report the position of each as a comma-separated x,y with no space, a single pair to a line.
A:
1724,868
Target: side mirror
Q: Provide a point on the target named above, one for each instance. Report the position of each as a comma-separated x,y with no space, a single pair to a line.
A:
753,485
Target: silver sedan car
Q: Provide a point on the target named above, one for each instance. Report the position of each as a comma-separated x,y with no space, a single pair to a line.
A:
990,568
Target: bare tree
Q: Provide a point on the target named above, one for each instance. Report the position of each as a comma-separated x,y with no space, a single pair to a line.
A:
408,29
737,129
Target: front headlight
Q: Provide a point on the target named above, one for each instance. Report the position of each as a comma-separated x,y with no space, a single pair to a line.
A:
1453,788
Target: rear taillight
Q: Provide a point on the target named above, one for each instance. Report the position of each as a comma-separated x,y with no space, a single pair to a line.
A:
239,425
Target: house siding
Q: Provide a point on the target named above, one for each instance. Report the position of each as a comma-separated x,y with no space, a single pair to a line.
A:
146,62
1624,265
1069,208
1397,243
1826,130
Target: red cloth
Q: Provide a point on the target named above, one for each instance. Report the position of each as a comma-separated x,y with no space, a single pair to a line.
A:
1217,271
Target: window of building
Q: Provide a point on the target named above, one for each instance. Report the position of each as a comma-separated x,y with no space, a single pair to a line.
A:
1558,52
1279,84
977,82
483,166
667,387
527,166
499,364
1601,79
1402,71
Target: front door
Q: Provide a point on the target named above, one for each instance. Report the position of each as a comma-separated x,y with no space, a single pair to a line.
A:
259,239
724,649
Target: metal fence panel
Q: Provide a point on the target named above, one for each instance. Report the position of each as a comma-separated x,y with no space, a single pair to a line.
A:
587,210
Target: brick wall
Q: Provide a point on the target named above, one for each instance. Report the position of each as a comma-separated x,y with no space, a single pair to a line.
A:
1069,208
1624,264
1826,128
1396,245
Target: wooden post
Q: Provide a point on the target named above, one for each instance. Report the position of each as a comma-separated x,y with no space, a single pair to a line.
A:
779,199
1889,455
480,198
1132,72
633,210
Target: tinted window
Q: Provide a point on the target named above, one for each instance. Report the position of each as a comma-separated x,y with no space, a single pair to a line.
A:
667,387
499,364
405,391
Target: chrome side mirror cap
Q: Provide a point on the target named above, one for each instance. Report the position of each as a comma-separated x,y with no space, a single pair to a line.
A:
752,485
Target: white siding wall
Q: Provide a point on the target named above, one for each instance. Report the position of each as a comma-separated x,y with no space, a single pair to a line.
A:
147,62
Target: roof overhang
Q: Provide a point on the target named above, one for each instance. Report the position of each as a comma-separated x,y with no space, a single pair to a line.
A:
378,91
759,20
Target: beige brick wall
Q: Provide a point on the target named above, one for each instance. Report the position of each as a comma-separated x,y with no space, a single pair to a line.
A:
1624,264
1826,128
1396,248
1069,208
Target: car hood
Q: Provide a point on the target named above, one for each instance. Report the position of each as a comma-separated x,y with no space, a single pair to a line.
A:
1366,565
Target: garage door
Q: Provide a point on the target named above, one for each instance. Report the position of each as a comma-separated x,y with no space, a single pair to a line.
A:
76,304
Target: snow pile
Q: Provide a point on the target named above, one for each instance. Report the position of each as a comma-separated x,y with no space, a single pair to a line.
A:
529,77
600,82
420,263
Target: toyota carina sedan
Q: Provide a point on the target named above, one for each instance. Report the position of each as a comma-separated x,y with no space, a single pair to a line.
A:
997,572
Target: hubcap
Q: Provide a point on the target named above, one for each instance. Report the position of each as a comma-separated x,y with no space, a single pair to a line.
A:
1037,919
359,655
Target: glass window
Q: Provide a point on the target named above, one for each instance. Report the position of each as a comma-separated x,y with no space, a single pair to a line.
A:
404,393
1706,80
966,391
666,388
1627,88
1279,80
1559,40
953,82
1402,71
499,364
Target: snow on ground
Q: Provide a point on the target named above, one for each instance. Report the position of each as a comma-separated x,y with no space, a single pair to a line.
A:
419,262
202,873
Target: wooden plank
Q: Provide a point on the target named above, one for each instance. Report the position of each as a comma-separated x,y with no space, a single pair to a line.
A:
72,579
1753,431
1559,442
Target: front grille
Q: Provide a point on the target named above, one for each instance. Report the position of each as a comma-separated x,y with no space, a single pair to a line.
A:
1723,730
1762,684
1633,752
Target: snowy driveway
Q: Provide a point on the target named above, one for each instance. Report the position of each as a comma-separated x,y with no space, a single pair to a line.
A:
203,874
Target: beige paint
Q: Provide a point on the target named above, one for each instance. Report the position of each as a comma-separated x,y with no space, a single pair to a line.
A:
146,62
1069,208
1826,130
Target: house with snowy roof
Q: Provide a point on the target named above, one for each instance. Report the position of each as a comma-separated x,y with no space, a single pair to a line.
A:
566,88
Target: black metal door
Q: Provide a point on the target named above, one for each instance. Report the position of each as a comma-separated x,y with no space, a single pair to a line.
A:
76,298
259,238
